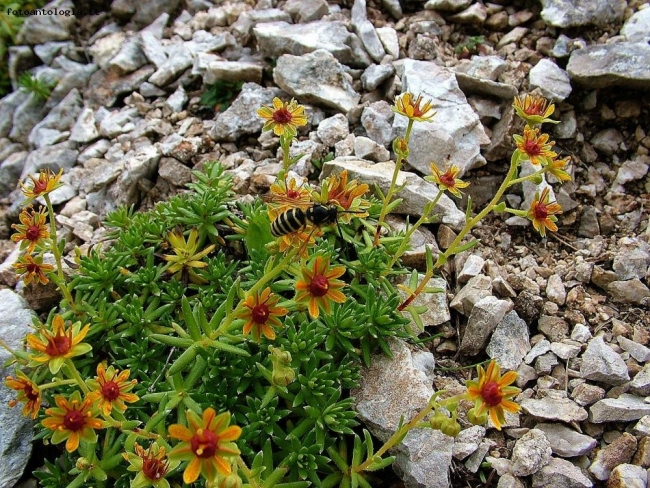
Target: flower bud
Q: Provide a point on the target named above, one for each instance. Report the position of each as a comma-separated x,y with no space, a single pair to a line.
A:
476,419
83,464
283,376
437,420
450,427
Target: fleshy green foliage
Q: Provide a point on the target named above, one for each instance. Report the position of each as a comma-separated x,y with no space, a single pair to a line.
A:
40,88
220,94
471,46
9,26
166,332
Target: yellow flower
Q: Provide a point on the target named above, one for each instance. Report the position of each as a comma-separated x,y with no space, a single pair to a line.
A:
414,109
336,189
301,240
448,180
186,257
46,183
491,392
151,465
31,230
33,269
73,420
261,314
319,286
207,444
542,213
283,118
28,393
537,148
58,345
111,388
534,109
556,168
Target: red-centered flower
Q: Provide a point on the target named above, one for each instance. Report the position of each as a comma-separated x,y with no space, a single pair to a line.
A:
55,346
46,183
261,314
151,464
73,420
32,268
32,229
28,393
491,393
448,180
336,189
111,388
414,108
285,195
542,212
207,443
319,286
535,147
557,169
534,109
284,118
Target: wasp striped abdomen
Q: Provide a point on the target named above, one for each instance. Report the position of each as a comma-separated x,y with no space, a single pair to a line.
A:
287,222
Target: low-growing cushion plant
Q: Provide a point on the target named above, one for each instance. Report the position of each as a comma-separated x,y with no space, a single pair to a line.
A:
213,343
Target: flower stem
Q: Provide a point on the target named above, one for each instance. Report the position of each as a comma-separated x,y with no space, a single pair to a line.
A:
391,190
72,370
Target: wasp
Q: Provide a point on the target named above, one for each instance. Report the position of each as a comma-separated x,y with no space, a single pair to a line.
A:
296,219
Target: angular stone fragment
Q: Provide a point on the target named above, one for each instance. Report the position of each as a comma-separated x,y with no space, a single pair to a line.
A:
618,452
572,13
601,363
509,342
483,319
622,409
316,78
621,64
550,408
560,473
531,453
566,442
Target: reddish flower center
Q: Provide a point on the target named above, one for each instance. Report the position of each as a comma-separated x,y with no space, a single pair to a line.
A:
110,390
204,443
33,232
319,286
448,179
282,116
33,268
58,345
532,148
293,194
260,313
39,187
153,468
540,211
491,393
535,108
31,393
73,420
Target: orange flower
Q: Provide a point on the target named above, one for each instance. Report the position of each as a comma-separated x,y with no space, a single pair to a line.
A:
111,388
336,189
542,213
536,147
33,269
534,109
32,229
447,180
412,108
286,195
283,118
60,344
151,465
556,168
46,183
28,393
207,444
491,392
73,420
319,286
261,314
